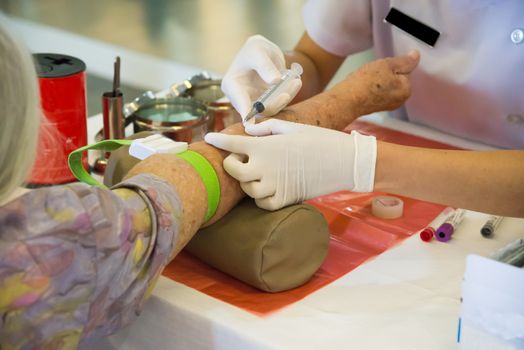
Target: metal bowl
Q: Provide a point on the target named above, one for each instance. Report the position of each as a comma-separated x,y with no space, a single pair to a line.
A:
179,118
206,91
203,88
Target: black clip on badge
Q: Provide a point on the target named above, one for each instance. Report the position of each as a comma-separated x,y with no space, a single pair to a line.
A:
413,27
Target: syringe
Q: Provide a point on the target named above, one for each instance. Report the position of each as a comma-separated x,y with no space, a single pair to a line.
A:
275,90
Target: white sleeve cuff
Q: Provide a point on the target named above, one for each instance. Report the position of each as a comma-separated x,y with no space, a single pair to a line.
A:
365,162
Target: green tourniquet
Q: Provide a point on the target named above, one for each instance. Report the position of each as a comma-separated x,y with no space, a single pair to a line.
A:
75,159
197,161
209,177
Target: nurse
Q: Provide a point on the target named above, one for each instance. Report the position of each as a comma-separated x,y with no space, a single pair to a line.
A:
467,83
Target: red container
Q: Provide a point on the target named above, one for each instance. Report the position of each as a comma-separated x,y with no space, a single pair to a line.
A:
62,82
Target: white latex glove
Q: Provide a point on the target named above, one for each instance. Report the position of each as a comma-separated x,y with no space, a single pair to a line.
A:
298,162
259,64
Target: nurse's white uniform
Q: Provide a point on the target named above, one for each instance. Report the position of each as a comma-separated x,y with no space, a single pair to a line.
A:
470,84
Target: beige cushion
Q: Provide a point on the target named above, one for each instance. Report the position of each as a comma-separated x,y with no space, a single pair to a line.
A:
272,251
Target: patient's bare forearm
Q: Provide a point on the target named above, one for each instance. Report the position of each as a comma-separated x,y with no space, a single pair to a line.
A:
326,110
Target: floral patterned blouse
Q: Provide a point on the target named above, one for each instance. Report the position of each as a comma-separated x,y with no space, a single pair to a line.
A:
78,262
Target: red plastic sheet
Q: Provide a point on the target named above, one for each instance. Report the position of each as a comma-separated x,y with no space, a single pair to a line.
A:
356,236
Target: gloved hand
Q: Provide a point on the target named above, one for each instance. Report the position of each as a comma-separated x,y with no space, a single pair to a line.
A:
298,162
257,65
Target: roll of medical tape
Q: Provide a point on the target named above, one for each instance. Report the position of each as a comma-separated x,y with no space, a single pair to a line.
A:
387,207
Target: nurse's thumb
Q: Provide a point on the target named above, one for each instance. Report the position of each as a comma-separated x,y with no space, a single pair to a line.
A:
407,63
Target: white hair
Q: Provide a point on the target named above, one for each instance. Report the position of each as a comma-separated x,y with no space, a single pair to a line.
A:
19,112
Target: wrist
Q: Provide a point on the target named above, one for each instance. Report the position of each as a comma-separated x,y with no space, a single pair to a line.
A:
349,92
312,112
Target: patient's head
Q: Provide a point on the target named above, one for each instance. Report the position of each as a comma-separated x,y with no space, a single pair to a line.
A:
19,116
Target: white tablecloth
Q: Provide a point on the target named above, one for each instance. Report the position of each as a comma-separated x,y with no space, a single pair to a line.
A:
406,298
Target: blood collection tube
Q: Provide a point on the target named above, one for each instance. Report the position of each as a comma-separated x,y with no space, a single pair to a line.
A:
427,234
445,231
491,225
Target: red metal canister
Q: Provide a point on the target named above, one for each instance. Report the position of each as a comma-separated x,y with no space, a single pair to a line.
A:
62,81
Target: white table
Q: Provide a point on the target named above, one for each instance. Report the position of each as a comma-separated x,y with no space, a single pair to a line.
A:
406,298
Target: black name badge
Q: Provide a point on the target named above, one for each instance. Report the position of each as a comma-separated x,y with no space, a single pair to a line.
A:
413,27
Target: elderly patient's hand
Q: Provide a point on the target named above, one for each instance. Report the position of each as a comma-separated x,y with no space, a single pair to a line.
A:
383,84
377,86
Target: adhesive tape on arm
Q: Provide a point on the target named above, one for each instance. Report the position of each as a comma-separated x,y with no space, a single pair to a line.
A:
387,207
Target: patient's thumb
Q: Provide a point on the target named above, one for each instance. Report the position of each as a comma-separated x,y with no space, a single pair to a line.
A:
407,63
